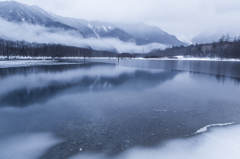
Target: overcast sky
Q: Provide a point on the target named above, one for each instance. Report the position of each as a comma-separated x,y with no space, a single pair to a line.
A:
178,17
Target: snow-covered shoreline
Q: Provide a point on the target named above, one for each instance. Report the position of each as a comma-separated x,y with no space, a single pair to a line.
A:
38,61
182,58
204,129
204,58
164,58
26,63
4,58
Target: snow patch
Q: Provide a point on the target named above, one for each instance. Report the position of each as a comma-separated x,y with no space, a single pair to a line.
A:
204,129
26,63
104,28
203,58
27,146
221,143
91,27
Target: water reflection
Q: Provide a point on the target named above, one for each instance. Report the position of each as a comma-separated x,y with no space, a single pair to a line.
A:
40,87
226,68
106,108
219,78
6,72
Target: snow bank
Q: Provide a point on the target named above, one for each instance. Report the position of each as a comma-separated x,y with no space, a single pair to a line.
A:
203,58
204,129
25,58
137,58
220,143
25,63
27,146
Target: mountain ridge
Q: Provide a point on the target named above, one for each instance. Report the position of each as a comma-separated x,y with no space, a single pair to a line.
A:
139,33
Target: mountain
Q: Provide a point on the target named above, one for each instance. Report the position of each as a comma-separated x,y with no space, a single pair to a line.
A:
150,33
210,36
17,12
139,33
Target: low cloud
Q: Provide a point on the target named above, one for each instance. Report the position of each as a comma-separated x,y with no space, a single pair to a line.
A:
35,33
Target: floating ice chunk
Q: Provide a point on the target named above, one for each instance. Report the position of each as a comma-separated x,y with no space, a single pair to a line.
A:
204,129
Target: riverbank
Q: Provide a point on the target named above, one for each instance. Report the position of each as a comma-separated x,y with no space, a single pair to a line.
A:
3,58
27,63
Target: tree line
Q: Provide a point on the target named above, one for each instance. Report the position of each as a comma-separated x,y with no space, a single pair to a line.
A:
11,49
224,48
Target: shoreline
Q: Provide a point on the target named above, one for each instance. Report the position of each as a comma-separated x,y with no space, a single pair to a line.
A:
41,61
27,63
115,58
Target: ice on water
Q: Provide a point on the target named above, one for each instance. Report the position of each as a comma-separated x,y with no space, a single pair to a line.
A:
218,143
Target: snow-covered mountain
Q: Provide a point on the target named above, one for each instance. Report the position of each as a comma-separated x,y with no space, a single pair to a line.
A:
139,33
17,12
210,36
149,33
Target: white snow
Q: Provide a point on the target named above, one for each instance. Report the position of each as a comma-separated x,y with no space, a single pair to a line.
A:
25,63
27,146
187,59
221,143
203,58
137,58
51,13
91,27
104,28
204,129
26,58
96,33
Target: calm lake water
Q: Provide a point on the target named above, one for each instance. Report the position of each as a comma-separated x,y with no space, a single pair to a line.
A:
102,107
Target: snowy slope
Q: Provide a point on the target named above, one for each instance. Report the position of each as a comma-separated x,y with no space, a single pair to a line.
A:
150,33
210,36
16,12
139,33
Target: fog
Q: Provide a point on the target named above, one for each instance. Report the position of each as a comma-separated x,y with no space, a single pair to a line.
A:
34,33
27,146
184,19
218,143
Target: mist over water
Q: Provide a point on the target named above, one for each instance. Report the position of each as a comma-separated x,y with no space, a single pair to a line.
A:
100,110
35,33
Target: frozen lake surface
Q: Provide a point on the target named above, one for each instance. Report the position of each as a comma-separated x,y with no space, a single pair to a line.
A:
136,109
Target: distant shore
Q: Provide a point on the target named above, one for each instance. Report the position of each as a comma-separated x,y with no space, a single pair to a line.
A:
38,61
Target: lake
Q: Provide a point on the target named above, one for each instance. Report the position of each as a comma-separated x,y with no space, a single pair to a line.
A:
104,109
